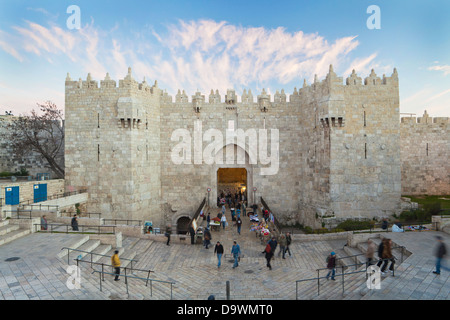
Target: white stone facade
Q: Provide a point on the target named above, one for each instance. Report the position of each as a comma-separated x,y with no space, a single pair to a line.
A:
339,148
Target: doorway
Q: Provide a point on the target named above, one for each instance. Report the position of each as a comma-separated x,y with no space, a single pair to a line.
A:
232,180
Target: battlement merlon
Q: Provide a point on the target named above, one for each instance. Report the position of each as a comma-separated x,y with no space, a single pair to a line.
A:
330,80
425,119
127,83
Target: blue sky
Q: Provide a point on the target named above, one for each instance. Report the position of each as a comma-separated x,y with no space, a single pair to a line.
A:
208,45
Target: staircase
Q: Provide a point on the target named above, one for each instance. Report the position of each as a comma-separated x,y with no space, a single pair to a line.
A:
127,288
10,232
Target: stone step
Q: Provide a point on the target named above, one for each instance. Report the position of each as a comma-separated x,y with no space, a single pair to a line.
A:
100,250
88,246
13,235
78,241
8,228
4,222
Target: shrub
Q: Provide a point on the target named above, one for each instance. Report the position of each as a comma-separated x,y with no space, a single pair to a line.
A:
351,225
23,172
433,208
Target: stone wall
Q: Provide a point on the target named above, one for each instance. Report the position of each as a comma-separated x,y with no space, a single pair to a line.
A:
334,147
112,146
425,153
26,188
33,162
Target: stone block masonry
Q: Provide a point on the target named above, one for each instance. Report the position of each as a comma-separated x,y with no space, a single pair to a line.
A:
338,148
425,154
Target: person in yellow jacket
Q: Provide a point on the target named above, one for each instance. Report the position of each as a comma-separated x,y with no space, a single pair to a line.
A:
115,261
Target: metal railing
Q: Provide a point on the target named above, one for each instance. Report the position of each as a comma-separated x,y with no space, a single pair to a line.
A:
55,196
125,269
93,254
83,228
121,268
81,214
102,273
275,221
343,274
197,213
40,206
126,221
27,213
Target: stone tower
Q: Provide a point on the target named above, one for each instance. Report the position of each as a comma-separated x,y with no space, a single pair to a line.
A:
337,145
113,145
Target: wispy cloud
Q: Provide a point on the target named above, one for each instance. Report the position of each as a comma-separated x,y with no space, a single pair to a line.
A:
443,68
191,55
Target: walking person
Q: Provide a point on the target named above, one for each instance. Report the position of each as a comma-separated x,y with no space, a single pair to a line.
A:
331,265
440,253
288,242
239,225
208,220
218,249
269,255
74,223
207,238
224,222
273,247
387,256
115,262
244,209
282,241
192,234
370,253
236,252
168,233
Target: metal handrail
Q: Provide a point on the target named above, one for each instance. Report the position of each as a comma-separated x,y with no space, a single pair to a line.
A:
363,254
41,205
93,253
134,277
275,220
81,214
342,274
127,220
55,196
197,213
80,226
17,212
125,268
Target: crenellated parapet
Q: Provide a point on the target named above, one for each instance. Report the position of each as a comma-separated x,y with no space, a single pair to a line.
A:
425,120
108,84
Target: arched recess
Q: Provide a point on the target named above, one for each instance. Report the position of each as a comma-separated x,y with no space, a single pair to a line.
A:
229,162
182,224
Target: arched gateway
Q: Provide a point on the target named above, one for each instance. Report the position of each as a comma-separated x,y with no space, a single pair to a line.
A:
234,173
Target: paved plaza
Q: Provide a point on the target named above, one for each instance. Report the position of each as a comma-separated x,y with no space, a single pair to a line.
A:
34,267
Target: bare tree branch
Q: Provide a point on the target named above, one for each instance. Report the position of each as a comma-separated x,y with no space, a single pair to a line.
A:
42,133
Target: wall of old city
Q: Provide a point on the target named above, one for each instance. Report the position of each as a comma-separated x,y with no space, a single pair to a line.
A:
112,146
425,153
339,152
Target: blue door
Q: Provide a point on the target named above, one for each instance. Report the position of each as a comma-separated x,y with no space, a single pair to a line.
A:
12,196
40,192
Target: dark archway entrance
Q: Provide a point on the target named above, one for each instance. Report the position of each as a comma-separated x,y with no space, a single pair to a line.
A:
183,225
231,180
